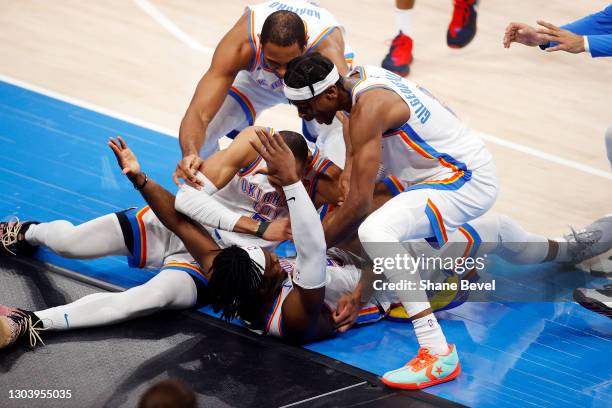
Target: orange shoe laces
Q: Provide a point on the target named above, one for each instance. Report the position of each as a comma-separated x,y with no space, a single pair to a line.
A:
422,360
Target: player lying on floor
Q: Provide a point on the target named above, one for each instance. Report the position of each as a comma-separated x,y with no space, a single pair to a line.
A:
176,288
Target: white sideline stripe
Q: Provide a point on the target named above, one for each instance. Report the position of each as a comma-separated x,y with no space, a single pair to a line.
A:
324,395
545,156
87,105
489,138
172,28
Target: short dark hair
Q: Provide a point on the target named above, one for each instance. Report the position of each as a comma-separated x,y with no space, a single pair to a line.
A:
168,394
307,70
234,284
297,144
283,28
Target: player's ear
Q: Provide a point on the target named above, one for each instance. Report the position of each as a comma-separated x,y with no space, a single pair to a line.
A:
331,93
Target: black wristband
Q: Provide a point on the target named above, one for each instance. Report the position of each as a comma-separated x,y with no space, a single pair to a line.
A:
261,229
144,183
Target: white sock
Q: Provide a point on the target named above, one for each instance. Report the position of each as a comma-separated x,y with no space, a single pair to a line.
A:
96,238
430,335
170,289
402,21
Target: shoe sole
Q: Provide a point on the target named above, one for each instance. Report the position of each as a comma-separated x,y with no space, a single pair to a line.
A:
592,305
420,386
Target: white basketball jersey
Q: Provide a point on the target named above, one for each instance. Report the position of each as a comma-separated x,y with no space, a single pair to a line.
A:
319,24
433,149
342,278
250,194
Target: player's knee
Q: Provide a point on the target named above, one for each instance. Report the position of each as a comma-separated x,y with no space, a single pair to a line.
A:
509,230
372,230
145,299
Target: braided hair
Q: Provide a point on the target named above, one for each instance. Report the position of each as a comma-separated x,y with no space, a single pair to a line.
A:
234,284
307,70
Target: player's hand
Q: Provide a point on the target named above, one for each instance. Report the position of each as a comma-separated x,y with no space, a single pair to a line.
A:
279,158
523,34
347,312
126,160
344,182
278,230
567,40
187,169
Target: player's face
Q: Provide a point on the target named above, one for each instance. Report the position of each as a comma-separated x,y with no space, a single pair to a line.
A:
274,273
276,57
322,108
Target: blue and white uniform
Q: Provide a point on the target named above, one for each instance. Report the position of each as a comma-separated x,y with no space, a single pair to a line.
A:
444,169
259,88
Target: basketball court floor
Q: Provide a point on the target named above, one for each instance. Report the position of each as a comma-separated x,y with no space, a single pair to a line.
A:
74,73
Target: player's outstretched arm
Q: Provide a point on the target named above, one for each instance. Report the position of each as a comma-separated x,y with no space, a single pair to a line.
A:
198,242
365,135
233,54
303,315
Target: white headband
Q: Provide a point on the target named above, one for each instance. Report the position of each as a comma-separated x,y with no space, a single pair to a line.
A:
302,94
257,255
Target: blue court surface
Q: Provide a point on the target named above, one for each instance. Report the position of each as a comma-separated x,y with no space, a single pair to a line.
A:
55,165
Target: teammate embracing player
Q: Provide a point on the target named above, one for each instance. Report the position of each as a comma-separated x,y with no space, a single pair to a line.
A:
398,128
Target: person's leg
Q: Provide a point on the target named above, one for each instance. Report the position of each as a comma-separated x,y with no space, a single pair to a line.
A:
93,239
399,57
402,219
599,300
504,237
172,288
169,289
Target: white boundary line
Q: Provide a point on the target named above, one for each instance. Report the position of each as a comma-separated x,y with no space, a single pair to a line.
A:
545,156
489,138
172,28
324,395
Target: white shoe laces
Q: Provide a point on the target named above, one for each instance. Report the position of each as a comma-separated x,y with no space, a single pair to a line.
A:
34,332
9,237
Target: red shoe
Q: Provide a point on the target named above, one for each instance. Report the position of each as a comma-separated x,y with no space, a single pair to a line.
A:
399,57
462,27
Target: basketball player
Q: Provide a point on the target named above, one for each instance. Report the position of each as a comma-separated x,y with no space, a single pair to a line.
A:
215,268
401,129
245,77
236,287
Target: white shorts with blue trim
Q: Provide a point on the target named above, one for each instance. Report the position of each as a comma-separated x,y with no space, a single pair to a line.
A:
432,212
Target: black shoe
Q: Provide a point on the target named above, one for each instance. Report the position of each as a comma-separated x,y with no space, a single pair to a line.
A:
597,300
12,238
462,27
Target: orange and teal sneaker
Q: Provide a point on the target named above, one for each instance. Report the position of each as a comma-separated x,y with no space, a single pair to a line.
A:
425,370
